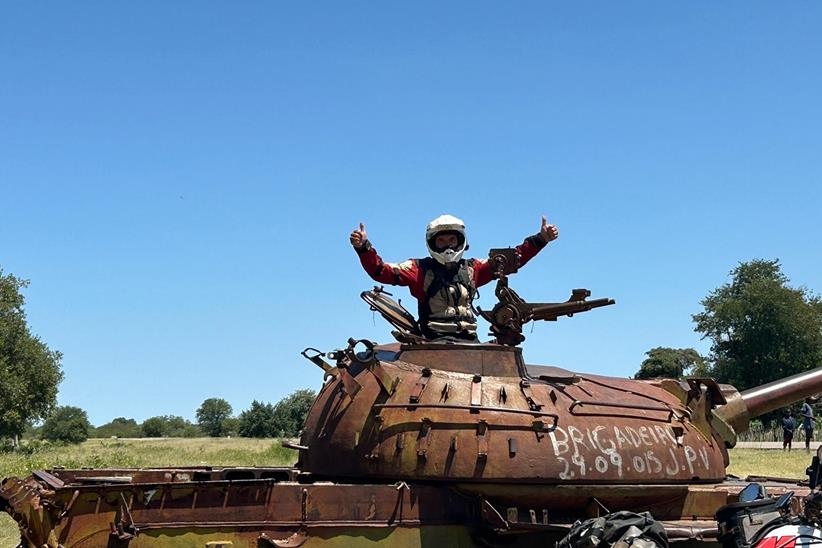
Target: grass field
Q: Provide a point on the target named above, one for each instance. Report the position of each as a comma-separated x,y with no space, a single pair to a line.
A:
252,452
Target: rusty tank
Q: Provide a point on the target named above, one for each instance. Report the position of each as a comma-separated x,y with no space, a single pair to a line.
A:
434,443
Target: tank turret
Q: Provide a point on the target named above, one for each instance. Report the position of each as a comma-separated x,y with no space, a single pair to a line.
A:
477,412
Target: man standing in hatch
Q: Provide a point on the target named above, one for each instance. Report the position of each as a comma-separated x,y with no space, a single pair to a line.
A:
444,284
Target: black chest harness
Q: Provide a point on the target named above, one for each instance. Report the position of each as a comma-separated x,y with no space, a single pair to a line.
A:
446,309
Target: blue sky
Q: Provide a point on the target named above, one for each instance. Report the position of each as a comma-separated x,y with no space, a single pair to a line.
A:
178,180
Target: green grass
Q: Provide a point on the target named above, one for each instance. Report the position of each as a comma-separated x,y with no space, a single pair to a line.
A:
251,452
769,462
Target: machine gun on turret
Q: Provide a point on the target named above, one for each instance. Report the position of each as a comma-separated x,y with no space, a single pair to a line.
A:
506,318
512,312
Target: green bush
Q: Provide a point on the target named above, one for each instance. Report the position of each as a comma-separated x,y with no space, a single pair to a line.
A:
257,421
290,412
120,427
169,426
67,424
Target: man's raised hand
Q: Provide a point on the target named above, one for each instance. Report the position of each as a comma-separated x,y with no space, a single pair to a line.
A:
548,232
358,237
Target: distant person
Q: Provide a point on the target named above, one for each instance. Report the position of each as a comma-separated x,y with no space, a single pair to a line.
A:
807,423
788,427
445,283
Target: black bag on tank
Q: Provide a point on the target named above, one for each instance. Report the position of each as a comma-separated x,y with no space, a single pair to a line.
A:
618,529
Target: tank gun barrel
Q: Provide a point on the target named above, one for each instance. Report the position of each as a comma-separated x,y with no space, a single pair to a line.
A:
741,407
775,395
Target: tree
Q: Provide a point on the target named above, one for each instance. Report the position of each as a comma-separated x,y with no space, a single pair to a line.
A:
67,423
120,427
29,370
169,426
257,421
760,328
290,412
178,427
672,363
154,427
212,415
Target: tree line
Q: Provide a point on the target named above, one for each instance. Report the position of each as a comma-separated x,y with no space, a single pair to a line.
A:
760,328
214,418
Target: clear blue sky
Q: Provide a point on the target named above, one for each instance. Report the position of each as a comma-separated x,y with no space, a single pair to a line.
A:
178,180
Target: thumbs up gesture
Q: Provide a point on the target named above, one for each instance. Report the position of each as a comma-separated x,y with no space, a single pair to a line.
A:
546,231
358,237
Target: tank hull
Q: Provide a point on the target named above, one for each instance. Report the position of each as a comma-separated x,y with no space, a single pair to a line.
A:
167,507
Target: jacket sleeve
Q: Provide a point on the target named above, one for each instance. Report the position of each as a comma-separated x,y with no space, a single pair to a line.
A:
527,250
406,273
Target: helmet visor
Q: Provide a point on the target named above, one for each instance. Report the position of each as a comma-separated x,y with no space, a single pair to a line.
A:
447,239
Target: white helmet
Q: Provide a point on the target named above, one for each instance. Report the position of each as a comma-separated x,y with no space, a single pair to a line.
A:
446,223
